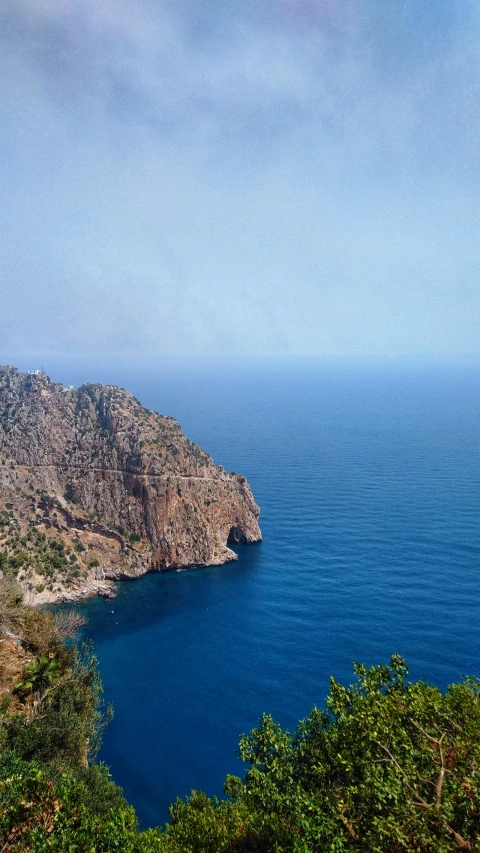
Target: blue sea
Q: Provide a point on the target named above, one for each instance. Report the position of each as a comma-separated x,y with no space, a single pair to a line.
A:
368,479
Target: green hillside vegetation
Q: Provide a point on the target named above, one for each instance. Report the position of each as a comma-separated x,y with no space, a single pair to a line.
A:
387,766
24,550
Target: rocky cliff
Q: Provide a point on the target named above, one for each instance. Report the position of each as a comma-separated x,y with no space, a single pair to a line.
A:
95,487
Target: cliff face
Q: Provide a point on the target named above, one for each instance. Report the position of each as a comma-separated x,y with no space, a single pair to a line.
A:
121,486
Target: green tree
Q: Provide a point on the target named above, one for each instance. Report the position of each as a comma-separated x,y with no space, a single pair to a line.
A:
39,675
388,766
69,718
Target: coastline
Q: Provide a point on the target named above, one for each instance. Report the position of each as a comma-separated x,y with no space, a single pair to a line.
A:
106,587
96,488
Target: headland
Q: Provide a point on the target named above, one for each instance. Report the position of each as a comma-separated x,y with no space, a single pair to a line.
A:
95,488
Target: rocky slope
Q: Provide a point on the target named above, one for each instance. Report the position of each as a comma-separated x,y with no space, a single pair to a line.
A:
95,487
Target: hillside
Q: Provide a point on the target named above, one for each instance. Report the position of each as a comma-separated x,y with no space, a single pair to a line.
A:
94,487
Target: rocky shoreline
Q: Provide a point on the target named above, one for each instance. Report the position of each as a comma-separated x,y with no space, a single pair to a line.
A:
95,488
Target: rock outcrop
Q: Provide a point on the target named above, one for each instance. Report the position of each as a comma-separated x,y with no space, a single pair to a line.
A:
95,487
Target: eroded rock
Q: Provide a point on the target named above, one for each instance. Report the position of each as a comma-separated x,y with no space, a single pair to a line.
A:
121,486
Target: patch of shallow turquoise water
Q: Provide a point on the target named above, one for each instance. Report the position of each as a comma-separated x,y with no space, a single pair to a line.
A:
369,485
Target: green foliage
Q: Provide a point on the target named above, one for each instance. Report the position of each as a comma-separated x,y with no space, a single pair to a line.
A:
102,794
37,815
31,551
68,721
389,766
39,675
204,825
70,495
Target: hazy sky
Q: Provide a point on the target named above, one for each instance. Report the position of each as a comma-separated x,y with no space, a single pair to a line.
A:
240,177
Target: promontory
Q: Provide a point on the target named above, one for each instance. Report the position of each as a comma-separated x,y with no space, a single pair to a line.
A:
94,488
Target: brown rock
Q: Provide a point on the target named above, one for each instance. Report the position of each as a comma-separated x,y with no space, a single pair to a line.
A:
120,485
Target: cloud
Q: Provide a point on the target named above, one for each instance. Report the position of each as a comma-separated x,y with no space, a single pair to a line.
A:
253,177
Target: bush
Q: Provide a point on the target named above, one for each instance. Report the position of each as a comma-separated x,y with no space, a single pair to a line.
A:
12,612
388,766
38,815
69,718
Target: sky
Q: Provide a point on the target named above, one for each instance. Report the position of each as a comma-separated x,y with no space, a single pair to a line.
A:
249,178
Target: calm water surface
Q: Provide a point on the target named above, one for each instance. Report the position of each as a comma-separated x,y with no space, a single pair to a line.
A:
369,485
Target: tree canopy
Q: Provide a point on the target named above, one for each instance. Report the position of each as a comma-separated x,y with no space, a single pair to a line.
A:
387,766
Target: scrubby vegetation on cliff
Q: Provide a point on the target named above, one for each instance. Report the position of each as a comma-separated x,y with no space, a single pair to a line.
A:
95,487
388,765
